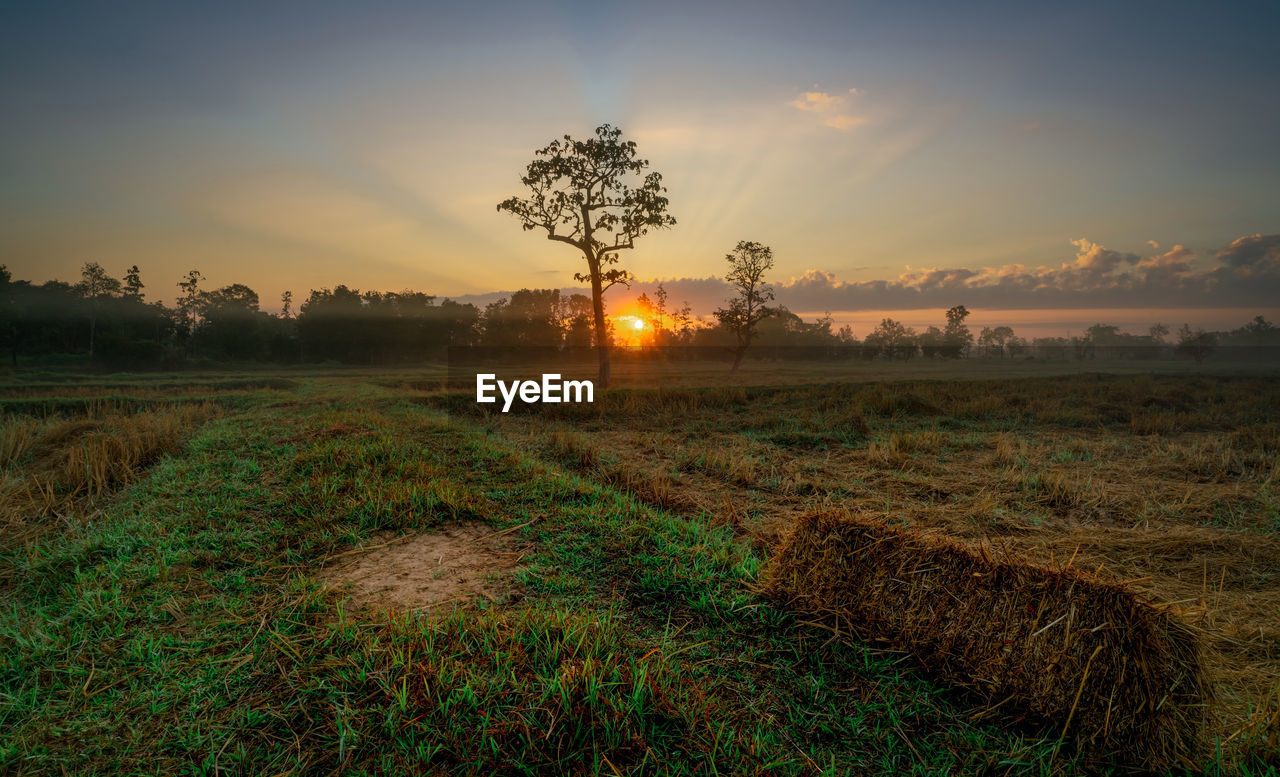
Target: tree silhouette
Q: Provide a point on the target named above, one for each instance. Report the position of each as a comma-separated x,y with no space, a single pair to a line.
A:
747,266
230,322
94,285
8,314
189,300
575,319
957,336
1196,343
531,317
133,284
589,194
659,307
893,339
995,338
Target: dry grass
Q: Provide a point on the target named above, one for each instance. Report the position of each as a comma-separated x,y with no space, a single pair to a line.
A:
1056,646
54,467
1053,468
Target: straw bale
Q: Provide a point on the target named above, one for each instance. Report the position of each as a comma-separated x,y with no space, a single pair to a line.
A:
1059,649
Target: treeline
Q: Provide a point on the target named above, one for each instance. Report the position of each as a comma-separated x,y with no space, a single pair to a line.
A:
891,339
110,321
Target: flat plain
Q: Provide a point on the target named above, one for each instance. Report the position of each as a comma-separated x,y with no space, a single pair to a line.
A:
311,572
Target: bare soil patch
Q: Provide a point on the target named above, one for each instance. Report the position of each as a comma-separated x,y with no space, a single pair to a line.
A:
454,563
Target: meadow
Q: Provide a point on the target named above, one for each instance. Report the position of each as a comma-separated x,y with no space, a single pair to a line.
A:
359,572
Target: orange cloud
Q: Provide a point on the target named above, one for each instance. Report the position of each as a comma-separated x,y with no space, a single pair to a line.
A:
831,107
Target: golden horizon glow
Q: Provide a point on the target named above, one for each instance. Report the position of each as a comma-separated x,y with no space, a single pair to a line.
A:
291,166
629,329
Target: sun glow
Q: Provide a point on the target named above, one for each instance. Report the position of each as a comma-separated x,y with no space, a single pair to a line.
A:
630,330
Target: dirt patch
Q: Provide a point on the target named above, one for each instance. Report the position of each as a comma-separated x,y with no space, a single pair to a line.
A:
454,563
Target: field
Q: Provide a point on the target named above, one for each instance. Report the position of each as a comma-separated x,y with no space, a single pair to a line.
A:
358,572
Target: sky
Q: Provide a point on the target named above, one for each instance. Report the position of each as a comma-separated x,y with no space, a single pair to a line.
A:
1012,157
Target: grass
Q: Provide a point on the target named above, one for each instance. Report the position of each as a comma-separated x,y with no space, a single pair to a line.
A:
180,630
55,467
1053,469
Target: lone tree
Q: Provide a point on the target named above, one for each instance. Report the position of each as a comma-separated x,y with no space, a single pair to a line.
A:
593,195
747,266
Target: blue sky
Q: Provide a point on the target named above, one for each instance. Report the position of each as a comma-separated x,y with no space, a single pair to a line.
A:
302,145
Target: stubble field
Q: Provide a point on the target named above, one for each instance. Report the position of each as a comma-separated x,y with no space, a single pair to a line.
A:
359,573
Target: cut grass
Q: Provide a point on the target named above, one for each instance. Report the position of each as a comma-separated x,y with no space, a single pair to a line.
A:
1054,468
181,631
54,467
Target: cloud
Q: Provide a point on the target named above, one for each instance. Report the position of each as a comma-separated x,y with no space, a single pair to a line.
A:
1258,251
831,108
817,102
1244,274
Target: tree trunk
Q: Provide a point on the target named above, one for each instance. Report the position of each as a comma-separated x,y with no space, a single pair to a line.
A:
737,358
602,331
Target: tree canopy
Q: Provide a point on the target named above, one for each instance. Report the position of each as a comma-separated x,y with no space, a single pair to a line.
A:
748,262
595,196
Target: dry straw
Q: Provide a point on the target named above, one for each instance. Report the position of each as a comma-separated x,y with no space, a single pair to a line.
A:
1056,648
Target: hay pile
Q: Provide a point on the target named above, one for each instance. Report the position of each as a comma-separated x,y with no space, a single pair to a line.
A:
1059,648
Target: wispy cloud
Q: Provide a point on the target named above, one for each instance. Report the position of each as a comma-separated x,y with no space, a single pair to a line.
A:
833,109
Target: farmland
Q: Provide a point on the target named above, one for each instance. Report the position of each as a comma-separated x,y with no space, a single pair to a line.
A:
200,570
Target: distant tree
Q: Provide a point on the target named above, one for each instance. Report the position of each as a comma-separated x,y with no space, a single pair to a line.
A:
590,195
1196,343
1016,346
530,317
893,340
458,323
575,320
1052,347
1259,326
231,324
133,284
286,304
934,343
995,338
646,312
1257,332
331,326
957,337
1158,332
9,314
785,328
1102,334
659,307
95,285
189,302
747,265
683,320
